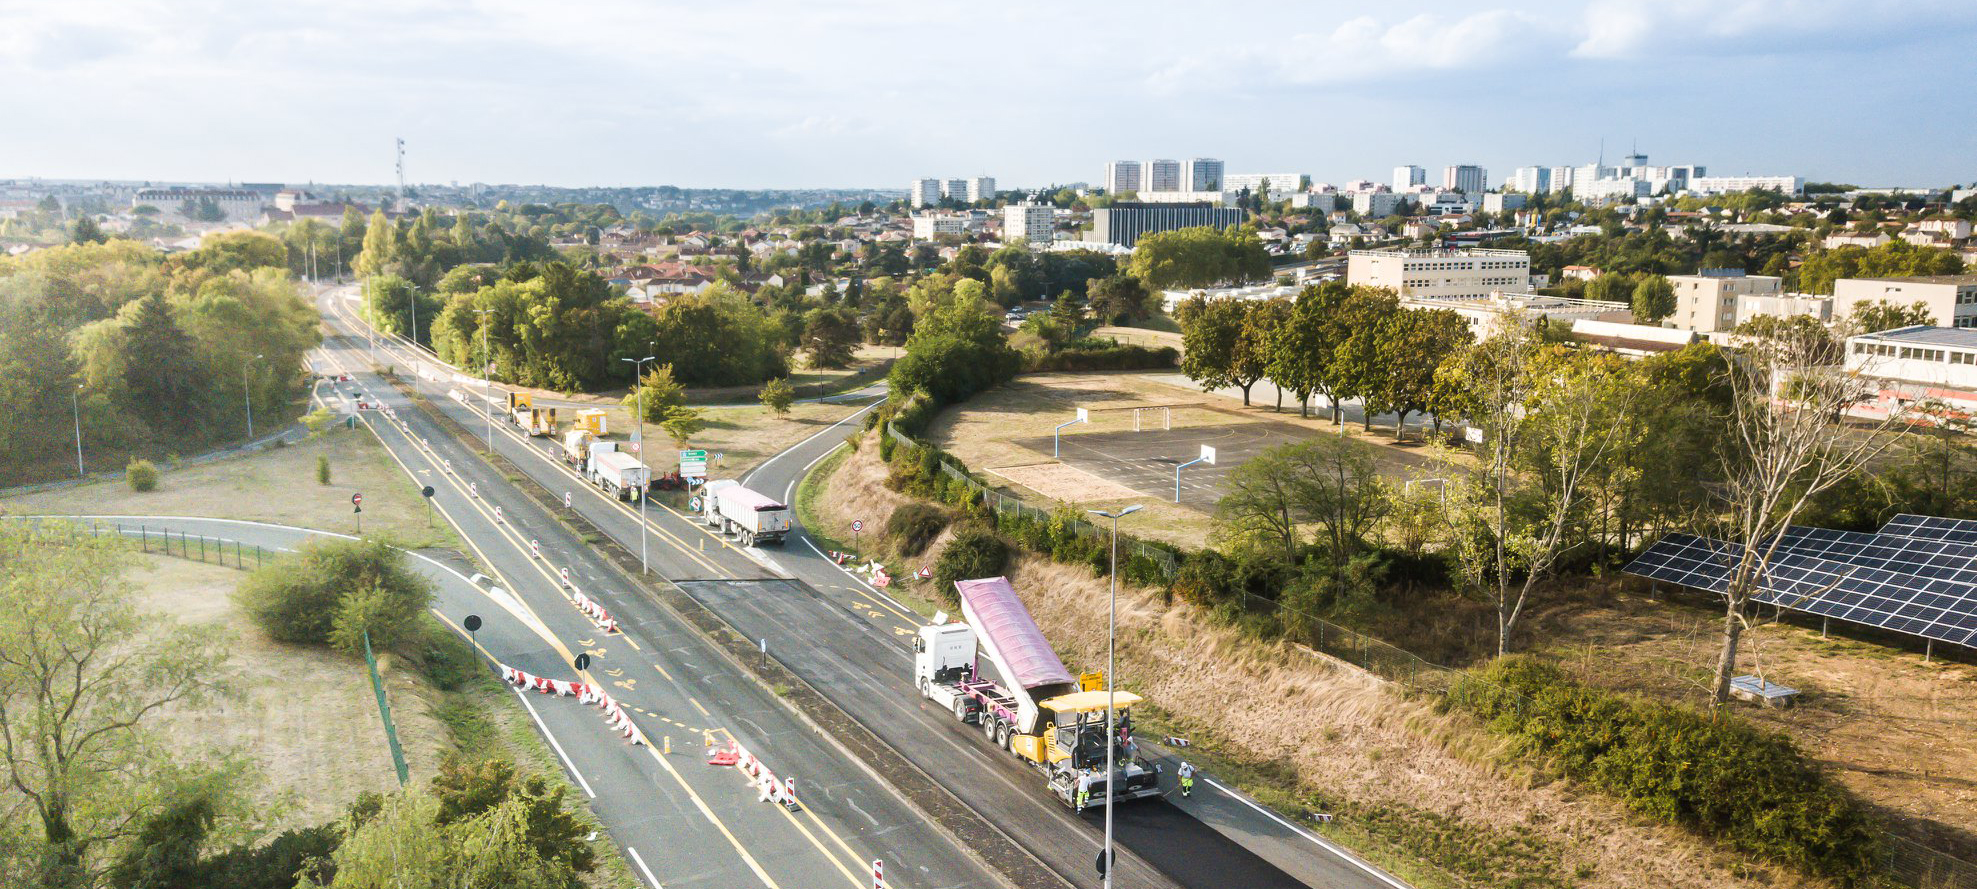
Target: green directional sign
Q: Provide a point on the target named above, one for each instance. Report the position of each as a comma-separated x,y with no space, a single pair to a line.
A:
693,455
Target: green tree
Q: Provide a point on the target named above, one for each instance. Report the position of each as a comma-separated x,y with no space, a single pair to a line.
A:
830,337
777,395
86,231
1199,257
1209,331
1301,356
1654,299
658,392
1120,298
1412,345
83,671
1882,315
380,245
1895,259
682,424
1256,344
162,371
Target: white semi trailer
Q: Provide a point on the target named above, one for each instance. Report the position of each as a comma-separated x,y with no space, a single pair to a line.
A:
615,472
1036,710
751,516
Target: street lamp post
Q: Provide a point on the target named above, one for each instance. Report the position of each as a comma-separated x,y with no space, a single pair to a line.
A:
638,390
1111,637
487,380
75,401
247,393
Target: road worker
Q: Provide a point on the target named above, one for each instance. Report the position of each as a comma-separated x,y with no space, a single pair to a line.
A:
1084,790
1187,778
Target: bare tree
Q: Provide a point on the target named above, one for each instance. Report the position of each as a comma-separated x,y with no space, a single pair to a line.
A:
1784,449
1549,421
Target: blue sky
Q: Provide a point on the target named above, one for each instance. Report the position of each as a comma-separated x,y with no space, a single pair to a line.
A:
777,93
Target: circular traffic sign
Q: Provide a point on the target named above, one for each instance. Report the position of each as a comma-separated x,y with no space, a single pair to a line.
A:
857,526
583,661
426,491
356,499
473,623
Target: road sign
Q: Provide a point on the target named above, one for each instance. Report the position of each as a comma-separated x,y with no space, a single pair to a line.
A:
693,464
566,500
857,526
473,623
693,504
583,661
426,491
693,455
356,499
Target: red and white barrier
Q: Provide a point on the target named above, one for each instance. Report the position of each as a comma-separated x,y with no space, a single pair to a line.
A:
768,788
614,715
595,612
881,579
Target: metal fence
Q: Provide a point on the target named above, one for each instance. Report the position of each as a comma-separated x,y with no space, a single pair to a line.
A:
1912,864
166,542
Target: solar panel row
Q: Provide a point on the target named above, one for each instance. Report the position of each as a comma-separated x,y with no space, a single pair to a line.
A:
1931,528
1908,582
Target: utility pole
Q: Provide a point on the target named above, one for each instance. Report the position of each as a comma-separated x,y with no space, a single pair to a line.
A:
487,381
638,388
75,400
1111,644
247,392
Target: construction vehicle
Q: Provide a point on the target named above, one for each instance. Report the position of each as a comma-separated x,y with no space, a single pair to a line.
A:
1036,710
535,420
591,420
615,472
576,446
750,516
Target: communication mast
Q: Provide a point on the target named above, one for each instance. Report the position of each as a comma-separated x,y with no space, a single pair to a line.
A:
401,170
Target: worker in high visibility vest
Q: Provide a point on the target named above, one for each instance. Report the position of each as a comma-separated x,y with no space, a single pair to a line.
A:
1187,778
1084,791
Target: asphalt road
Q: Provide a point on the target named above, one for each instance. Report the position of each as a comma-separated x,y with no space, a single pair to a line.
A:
692,824
851,642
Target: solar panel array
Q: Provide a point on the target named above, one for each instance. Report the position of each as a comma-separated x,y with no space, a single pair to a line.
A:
1918,575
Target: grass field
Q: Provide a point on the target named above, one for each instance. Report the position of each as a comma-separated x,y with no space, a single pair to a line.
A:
277,485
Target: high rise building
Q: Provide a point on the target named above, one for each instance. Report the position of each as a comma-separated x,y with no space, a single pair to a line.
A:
1562,178
923,192
1126,222
1162,174
1409,176
980,188
1531,180
1465,179
1122,176
1029,221
1203,174
956,189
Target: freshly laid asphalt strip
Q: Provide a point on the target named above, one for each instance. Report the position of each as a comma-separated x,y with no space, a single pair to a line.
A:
1187,850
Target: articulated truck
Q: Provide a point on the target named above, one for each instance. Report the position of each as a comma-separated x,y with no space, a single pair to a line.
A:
614,472
1036,709
752,517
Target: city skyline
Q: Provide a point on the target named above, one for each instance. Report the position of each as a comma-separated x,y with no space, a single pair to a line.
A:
508,93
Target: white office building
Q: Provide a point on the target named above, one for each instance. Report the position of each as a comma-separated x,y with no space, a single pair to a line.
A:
927,226
1162,174
1951,299
1282,185
1790,185
1204,174
981,188
1934,363
1441,274
1030,222
955,189
1408,176
1374,203
1122,176
1464,178
1594,191
1563,178
1531,180
923,193
1320,201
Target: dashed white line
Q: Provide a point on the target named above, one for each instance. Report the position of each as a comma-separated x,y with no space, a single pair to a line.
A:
643,869
559,749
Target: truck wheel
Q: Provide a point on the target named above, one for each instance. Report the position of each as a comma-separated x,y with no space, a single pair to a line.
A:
747,538
961,709
1001,734
926,689
988,728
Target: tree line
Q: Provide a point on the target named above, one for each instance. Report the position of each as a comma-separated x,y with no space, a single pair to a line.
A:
148,353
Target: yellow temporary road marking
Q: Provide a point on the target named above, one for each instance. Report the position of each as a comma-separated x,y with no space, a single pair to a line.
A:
696,705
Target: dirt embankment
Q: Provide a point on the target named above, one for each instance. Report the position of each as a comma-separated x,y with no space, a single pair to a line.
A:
1343,733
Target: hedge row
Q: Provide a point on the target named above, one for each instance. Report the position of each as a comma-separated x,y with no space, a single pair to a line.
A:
1710,772
1106,357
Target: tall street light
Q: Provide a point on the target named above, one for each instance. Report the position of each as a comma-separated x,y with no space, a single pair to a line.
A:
247,392
638,390
487,380
75,401
1111,639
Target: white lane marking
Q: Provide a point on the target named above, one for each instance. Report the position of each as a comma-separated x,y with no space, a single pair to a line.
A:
643,869
1323,843
553,743
765,464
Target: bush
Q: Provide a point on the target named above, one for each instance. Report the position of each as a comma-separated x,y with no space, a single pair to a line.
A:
1092,356
319,420
142,475
1714,773
302,853
975,552
914,525
334,590
468,789
322,470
